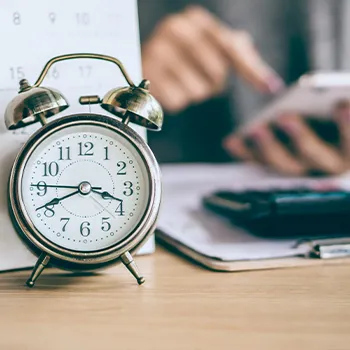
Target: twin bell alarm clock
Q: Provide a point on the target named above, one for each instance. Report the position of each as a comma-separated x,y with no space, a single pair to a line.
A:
85,189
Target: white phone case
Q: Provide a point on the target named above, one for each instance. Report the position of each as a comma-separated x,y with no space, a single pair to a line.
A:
315,94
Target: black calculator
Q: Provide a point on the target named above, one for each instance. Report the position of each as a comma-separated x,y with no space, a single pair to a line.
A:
293,212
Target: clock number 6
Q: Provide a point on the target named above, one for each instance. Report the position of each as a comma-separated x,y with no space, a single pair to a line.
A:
85,229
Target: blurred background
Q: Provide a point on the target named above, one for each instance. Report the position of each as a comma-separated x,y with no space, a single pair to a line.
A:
214,63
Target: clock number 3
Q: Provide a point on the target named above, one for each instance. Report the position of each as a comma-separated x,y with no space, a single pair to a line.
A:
128,188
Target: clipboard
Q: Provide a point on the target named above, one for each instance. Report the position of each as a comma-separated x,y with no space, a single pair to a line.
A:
185,227
328,252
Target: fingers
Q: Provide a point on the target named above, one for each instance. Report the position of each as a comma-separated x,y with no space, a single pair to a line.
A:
239,50
242,55
173,89
271,152
191,54
185,31
267,150
237,148
179,55
311,153
314,152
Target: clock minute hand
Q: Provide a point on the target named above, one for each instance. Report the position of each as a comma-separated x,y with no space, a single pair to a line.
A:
106,195
56,201
62,186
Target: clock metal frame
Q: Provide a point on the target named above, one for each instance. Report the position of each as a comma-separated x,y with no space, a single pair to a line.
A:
75,260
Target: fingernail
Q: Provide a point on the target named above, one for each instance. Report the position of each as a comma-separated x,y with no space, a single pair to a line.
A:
290,126
258,134
230,141
344,114
274,84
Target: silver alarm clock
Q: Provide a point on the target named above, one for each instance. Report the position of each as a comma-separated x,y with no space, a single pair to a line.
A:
85,189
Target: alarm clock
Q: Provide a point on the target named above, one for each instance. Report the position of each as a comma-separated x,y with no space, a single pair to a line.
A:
85,189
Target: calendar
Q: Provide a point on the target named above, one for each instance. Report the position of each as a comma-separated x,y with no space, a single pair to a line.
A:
31,33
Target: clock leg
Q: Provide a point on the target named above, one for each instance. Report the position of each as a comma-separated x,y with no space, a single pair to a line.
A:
38,269
130,264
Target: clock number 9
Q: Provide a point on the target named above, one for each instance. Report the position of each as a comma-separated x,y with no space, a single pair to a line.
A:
85,229
128,188
41,186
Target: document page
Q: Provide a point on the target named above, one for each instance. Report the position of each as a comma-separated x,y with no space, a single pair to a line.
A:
31,33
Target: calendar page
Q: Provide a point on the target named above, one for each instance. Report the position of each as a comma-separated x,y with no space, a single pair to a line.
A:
31,33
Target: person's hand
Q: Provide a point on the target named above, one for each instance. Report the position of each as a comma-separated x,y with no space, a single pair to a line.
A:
190,54
308,153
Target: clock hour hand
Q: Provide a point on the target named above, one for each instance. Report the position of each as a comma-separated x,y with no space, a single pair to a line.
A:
106,195
56,201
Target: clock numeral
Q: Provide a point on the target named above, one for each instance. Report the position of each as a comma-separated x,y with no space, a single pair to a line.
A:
52,17
83,18
51,169
106,226
16,18
128,188
85,71
122,166
85,228
53,73
49,212
66,220
106,153
86,149
64,153
42,188
120,211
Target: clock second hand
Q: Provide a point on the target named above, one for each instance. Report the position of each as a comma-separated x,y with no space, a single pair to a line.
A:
103,207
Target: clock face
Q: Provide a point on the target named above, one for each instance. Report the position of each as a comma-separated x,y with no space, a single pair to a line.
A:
85,187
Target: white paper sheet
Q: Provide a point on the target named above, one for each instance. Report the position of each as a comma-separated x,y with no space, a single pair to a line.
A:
183,218
33,32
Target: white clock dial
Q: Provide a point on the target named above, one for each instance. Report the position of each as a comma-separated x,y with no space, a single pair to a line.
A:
85,187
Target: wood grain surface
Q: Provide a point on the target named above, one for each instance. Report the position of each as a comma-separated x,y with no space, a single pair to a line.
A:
181,306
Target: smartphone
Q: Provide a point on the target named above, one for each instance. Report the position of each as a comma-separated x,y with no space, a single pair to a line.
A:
293,212
314,94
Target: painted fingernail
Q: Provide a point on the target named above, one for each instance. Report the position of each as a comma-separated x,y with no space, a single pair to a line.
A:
290,126
230,142
344,114
274,84
258,134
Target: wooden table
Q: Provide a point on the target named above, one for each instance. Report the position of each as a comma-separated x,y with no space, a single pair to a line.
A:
181,306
